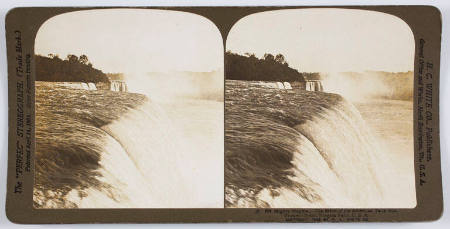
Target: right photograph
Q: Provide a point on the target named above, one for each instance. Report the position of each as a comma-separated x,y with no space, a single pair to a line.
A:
319,110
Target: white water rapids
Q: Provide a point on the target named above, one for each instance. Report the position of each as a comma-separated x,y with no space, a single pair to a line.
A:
167,153
345,165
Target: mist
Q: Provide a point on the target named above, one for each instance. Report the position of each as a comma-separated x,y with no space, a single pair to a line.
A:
176,85
357,86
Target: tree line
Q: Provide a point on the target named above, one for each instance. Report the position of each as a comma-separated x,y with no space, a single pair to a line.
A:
71,69
269,68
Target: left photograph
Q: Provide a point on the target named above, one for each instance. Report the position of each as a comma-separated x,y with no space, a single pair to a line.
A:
129,110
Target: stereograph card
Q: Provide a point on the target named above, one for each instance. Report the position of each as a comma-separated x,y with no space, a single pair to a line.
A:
223,114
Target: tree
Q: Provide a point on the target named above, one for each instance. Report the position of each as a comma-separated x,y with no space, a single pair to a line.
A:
53,69
54,56
280,59
249,54
248,67
84,59
72,58
269,57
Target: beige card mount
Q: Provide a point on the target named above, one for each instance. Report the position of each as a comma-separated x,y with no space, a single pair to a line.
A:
223,114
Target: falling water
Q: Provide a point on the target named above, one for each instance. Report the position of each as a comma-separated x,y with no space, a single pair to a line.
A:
314,86
280,85
119,86
159,148
152,159
166,153
92,86
305,150
287,85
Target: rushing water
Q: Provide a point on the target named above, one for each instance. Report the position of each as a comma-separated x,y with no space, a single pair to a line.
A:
299,149
283,148
102,149
154,158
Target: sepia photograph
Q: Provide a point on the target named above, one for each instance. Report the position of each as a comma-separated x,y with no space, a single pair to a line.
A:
129,110
319,110
181,113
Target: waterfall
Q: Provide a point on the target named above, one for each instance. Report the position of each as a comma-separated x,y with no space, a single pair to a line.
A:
314,86
309,86
280,85
165,153
85,86
156,156
287,85
347,169
336,162
118,86
92,86
129,150
76,85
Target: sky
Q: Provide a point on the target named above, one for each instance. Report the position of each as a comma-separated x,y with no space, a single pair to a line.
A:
134,40
327,40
